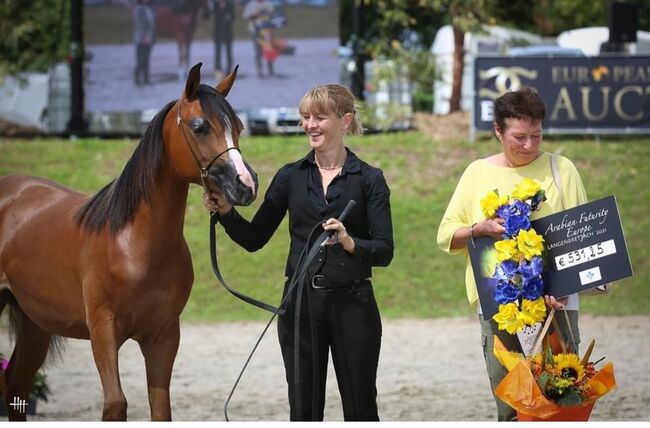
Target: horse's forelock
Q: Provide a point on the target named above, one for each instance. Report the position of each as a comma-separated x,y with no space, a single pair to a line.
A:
215,106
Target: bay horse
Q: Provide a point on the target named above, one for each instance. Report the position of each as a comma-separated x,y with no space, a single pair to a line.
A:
178,21
115,265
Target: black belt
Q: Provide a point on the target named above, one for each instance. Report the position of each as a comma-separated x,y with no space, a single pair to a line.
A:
321,282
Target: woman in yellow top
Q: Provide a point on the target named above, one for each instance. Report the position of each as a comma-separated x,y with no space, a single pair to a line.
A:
518,118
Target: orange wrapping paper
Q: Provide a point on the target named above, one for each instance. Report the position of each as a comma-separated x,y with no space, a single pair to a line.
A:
521,392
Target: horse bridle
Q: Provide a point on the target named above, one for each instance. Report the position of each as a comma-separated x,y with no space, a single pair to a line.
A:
204,171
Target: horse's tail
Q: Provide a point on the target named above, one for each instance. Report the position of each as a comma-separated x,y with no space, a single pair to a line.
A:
5,298
16,315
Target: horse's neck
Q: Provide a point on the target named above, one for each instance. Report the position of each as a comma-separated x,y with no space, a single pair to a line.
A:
161,218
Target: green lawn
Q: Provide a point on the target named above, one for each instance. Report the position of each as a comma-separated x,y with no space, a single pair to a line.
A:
422,281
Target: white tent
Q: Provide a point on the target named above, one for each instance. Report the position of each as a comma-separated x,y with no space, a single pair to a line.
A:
23,100
589,40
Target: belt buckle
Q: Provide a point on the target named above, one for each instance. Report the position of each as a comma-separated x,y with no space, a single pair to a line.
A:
313,281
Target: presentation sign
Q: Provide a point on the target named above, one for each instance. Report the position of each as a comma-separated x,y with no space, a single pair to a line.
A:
585,248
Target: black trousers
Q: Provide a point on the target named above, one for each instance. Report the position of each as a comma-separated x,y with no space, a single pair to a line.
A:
222,38
142,55
346,321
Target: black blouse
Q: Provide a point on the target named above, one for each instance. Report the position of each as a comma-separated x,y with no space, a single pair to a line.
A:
377,251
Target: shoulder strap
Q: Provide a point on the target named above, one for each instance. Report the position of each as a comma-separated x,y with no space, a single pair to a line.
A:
557,178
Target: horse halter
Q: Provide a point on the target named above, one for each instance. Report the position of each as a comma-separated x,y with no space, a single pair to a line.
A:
203,170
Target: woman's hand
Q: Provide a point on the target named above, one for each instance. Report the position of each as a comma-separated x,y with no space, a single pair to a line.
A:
491,227
557,304
216,201
340,234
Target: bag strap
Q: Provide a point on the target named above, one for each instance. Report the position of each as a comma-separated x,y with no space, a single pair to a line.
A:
557,178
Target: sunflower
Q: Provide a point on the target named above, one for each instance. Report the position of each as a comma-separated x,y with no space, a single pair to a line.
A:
568,366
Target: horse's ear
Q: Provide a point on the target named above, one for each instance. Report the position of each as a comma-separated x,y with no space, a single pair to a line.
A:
224,86
193,82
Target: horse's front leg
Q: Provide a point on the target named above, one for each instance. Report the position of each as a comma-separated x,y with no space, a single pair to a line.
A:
105,339
159,355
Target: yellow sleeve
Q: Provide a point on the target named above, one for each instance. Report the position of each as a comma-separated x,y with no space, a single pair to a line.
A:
457,214
572,186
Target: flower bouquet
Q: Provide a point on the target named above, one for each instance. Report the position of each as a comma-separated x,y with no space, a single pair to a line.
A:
551,385
518,271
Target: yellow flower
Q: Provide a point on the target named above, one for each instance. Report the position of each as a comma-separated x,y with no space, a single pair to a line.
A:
507,250
526,189
561,384
491,202
530,243
568,366
532,311
507,318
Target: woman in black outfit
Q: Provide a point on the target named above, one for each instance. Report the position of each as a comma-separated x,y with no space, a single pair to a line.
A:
338,310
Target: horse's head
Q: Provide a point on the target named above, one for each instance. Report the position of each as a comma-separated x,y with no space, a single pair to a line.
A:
205,142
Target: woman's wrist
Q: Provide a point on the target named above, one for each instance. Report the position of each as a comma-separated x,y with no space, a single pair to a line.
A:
348,243
473,231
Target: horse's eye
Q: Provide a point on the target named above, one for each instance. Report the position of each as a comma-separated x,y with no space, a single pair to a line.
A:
199,126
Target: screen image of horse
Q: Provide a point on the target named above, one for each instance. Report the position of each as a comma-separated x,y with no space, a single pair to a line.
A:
116,266
281,52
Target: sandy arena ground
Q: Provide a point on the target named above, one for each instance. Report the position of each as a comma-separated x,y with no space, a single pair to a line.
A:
429,370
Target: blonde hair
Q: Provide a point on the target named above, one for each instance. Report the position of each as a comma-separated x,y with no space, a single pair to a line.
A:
332,98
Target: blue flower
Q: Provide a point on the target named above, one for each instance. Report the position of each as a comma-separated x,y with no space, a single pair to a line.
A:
505,270
533,288
506,293
531,269
522,208
515,223
506,210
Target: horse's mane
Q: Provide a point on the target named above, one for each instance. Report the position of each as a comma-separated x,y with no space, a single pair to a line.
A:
117,203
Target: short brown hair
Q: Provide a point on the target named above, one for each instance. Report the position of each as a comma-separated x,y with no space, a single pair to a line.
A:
332,98
525,103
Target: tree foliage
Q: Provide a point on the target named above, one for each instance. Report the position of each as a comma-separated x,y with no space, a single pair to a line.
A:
387,25
35,33
551,17
468,15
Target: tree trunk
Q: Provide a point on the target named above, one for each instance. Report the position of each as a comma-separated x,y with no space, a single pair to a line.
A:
459,64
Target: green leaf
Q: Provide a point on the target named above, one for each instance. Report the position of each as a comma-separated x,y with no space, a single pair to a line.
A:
543,380
572,397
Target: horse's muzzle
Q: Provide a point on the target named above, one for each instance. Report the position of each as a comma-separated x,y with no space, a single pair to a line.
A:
236,190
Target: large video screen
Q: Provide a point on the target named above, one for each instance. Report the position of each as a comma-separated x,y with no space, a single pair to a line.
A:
139,51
